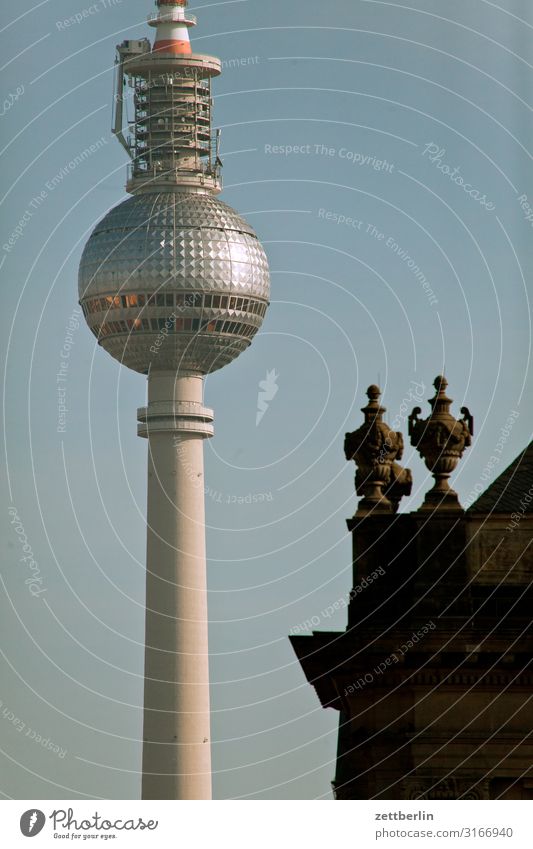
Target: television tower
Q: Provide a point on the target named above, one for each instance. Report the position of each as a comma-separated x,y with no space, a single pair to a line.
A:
174,284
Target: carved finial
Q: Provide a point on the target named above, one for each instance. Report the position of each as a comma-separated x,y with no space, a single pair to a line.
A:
373,409
374,447
441,440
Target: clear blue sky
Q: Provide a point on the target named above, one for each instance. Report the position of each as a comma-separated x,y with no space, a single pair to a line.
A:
354,109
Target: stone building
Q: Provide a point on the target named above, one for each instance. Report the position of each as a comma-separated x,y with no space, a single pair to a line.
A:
432,677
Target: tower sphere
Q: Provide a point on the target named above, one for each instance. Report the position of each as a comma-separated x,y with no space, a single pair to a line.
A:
174,280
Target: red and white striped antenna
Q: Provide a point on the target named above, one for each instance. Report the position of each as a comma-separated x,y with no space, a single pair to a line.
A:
172,22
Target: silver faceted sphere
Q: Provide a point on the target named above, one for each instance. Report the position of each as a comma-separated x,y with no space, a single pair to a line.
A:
174,281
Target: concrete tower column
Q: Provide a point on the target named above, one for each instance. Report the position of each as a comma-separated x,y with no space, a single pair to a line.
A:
176,735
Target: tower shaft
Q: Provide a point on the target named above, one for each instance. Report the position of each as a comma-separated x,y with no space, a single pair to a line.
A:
176,736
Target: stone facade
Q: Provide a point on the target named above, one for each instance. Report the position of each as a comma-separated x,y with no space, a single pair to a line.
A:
433,677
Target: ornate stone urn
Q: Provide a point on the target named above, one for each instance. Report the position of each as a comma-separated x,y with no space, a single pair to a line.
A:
375,447
441,440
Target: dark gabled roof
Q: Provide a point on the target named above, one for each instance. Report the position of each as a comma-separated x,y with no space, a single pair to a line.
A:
507,493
